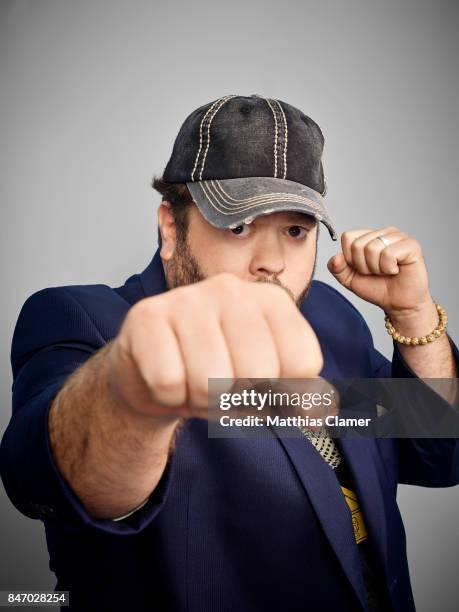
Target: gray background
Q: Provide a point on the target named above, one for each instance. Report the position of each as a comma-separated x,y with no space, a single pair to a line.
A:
92,96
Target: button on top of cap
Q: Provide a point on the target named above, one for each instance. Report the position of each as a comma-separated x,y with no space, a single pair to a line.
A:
245,110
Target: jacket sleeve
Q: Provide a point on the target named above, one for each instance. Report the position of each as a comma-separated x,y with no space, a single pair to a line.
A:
54,335
429,462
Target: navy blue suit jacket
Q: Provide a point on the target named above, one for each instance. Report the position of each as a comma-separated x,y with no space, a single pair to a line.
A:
234,524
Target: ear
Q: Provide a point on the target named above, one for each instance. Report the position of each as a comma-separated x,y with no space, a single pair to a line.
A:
166,225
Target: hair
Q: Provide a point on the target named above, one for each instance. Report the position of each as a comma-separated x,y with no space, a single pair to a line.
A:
180,199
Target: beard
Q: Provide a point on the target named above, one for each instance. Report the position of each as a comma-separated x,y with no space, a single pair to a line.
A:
184,269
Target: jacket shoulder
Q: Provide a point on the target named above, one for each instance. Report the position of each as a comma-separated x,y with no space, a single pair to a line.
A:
331,305
86,315
343,333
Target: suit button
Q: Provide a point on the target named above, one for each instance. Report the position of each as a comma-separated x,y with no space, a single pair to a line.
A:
46,510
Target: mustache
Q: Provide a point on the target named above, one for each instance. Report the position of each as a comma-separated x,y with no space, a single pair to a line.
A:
275,281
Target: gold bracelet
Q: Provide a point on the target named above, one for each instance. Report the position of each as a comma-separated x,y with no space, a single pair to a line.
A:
413,341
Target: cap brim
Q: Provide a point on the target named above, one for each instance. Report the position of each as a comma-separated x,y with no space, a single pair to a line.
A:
228,203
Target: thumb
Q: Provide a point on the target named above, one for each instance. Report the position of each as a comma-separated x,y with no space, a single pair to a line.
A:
340,269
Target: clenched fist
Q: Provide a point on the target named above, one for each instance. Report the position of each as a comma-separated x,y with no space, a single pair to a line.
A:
385,267
223,327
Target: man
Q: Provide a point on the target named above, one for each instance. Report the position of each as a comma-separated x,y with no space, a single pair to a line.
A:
108,441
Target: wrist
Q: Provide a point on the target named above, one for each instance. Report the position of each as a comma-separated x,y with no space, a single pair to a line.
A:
414,327
418,321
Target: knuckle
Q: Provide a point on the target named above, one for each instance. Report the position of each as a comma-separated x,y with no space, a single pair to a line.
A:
387,262
355,247
370,248
226,280
281,294
224,286
278,296
386,256
244,310
191,299
145,309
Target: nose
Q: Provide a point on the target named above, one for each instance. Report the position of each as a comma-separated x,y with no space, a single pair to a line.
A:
268,258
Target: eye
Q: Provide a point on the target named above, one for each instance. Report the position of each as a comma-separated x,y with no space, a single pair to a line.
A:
241,230
296,231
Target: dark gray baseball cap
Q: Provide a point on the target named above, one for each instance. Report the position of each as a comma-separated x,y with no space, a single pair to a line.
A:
245,156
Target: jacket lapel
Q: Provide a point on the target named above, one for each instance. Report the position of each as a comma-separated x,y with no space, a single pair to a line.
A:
324,492
358,452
